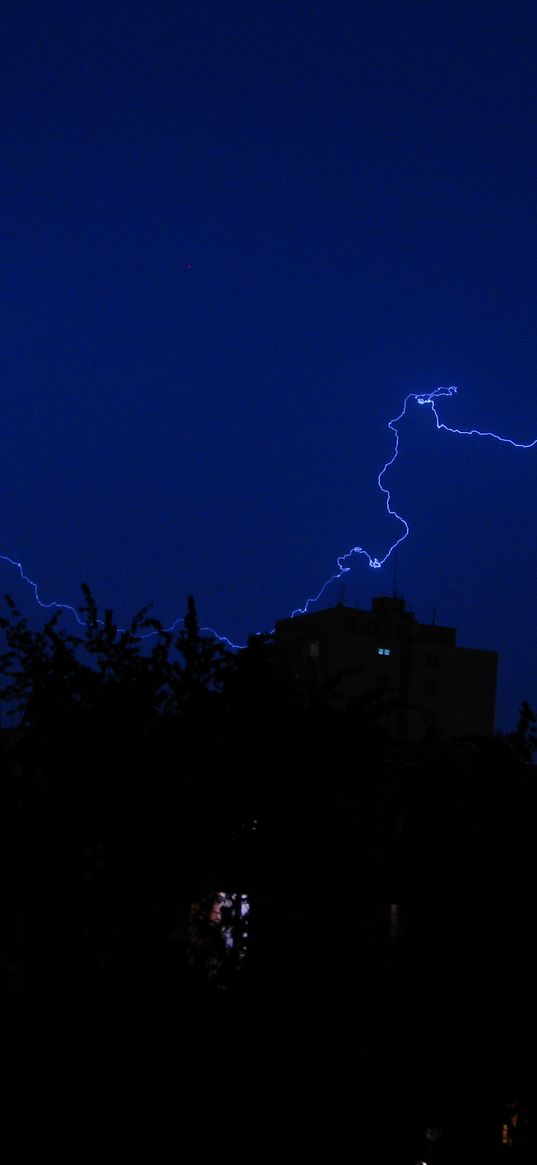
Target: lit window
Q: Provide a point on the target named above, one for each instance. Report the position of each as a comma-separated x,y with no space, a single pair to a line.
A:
506,1134
384,651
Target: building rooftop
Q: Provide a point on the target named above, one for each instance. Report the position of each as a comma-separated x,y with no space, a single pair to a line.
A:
433,682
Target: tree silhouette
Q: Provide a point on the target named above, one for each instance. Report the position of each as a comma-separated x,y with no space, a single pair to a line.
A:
523,741
154,789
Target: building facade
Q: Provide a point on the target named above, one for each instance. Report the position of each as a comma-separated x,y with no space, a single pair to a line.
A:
432,686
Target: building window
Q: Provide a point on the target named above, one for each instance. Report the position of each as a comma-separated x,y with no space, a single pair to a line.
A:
432,661
384,651
314,649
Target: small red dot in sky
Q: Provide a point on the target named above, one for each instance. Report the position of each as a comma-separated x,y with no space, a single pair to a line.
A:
188,266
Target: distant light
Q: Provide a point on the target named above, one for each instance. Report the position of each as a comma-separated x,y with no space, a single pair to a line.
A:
384,651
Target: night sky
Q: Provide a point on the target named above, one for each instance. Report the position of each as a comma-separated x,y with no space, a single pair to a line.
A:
235,235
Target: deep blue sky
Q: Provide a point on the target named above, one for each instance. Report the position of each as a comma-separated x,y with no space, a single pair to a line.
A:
235,234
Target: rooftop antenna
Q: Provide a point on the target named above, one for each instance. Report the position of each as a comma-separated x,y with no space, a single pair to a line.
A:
341,600
394,595
433,620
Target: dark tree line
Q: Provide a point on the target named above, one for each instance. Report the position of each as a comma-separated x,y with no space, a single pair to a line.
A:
146,771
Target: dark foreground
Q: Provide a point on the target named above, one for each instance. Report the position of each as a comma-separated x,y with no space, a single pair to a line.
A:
404,1058
381,1007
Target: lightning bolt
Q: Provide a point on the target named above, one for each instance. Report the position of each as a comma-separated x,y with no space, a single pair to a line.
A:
343,562
427,400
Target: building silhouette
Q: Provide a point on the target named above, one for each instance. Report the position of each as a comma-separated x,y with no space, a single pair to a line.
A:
433,688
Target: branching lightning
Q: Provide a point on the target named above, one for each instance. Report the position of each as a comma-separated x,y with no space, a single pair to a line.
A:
55,606
426,400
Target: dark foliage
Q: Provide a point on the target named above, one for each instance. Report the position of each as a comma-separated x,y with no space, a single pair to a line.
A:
143,776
